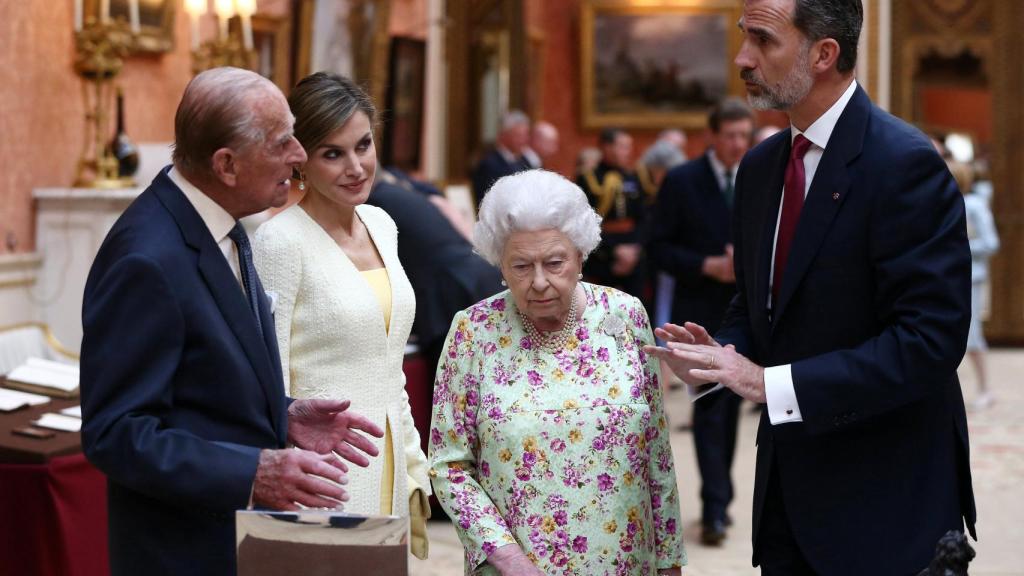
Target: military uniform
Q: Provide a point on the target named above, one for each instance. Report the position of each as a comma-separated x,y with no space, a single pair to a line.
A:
620,200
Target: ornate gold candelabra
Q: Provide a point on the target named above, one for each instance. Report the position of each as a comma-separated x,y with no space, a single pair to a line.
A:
221,52
101,48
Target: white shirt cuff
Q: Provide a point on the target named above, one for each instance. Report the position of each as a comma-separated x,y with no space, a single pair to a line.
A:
781,397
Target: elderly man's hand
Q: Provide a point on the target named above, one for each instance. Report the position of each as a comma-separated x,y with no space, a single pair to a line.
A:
286,478
326,425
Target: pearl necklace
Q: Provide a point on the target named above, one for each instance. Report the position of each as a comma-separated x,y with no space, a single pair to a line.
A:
552,341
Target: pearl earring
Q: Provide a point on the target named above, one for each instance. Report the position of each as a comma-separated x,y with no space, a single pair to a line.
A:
503,283
579,276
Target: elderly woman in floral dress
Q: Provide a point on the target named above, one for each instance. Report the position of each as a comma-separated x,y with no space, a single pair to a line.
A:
549,445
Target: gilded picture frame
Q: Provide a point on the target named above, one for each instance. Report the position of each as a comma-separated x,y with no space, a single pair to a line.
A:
156,22
657,64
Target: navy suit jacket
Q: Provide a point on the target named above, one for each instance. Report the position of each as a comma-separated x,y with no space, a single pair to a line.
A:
692,221
180,391
873,316
491,167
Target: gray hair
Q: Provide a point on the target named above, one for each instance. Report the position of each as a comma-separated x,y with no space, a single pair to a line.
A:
514,118
663,154
219,109
531,201
840,20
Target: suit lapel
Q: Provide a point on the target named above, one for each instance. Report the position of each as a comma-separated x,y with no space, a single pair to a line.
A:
227,293
713,203
828,192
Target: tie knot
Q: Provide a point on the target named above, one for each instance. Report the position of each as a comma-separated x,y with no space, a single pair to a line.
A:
800,146
238,235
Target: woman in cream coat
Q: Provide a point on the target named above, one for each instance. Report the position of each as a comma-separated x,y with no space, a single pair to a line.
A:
343,307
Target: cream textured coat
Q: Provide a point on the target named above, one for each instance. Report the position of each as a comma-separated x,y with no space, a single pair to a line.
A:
330,330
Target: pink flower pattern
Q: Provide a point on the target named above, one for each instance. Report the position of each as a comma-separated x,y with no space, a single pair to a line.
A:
565,455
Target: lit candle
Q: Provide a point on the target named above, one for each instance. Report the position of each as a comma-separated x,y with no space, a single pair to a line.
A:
246,8
78,15
133,15
104,11
195,10
225,9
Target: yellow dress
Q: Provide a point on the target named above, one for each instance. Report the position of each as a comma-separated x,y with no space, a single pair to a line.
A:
419,510
381,286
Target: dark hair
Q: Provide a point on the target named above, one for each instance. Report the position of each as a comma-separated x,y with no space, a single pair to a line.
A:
729,110
322,103
218,110
608,135
837,19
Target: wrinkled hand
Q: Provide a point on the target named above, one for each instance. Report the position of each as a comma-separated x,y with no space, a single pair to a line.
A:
720,268
285,478
626,258
325,425
723,364
688,333
509,560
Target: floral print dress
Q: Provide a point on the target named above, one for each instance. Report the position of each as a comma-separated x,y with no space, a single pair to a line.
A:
565,454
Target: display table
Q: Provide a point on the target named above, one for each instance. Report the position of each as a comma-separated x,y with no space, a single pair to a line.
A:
53,503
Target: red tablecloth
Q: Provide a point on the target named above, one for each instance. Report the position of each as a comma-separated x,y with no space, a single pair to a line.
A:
53,519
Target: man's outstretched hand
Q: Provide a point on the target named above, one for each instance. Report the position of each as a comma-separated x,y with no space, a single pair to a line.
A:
696,358
323,426
286,478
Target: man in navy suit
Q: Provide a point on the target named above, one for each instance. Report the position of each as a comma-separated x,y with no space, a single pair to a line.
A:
506,157
691,240
853,280
182,395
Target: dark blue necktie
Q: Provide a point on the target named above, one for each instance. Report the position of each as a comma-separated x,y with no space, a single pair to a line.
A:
247,269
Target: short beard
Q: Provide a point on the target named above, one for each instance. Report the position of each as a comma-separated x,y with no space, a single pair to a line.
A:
791,90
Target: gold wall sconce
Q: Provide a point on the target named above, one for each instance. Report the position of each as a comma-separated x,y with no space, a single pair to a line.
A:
232,46
101,43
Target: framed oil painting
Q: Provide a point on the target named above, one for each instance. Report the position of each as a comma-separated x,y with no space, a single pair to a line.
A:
657,64
403,129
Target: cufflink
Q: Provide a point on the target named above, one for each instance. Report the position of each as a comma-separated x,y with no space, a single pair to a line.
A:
789,412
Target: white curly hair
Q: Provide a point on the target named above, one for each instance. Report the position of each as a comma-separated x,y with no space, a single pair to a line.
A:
530,201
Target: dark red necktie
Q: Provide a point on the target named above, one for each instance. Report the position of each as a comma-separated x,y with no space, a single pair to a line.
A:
792,202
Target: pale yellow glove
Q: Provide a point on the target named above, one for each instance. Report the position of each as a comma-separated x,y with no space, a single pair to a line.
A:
419,511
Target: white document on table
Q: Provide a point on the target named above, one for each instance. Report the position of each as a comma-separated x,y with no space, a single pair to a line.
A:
61,422
14,399
46,373
73,411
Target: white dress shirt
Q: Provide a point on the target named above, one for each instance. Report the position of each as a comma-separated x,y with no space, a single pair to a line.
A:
216,218
778,380
721,171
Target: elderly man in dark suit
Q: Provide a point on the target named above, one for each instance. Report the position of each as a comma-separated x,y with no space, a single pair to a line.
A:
853,277
506,156
691,240
182,396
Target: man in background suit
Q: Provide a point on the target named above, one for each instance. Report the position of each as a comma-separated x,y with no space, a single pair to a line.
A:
691,240
182,396
853,301
506,156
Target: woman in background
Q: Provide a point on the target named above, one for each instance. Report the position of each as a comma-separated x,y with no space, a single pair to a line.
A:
981,232
343,305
